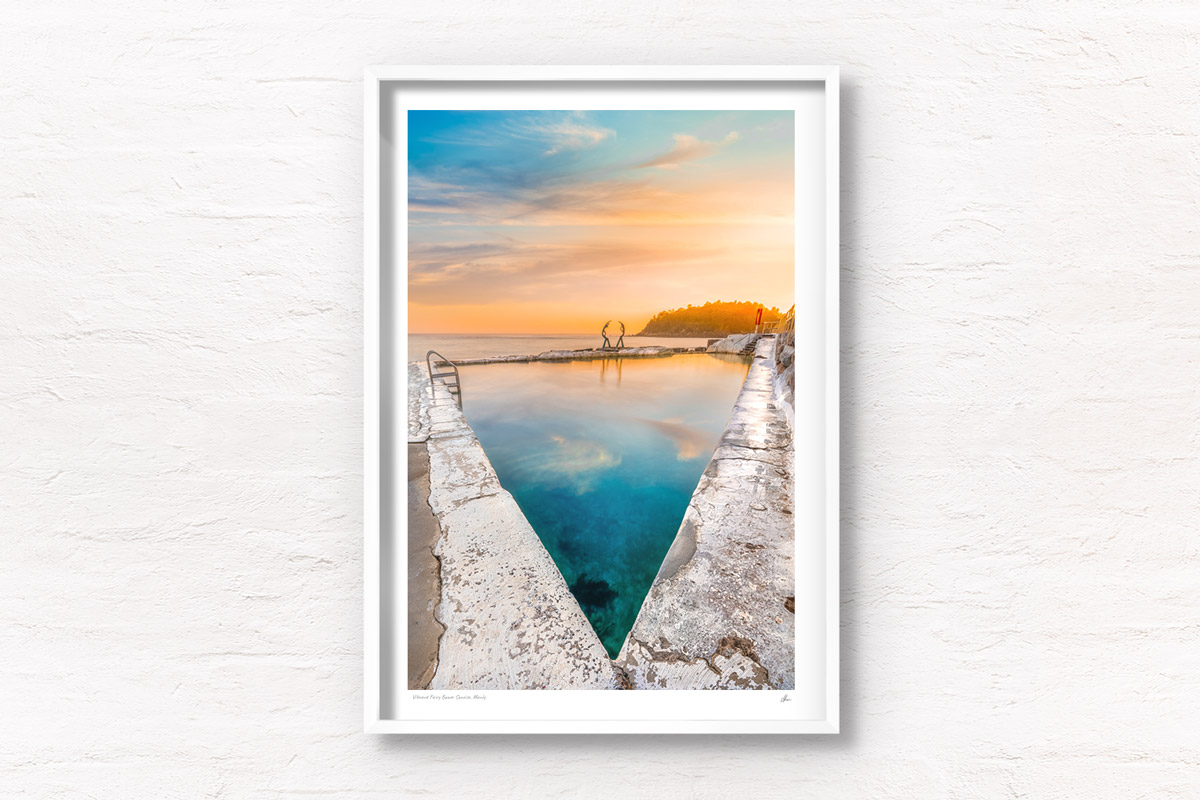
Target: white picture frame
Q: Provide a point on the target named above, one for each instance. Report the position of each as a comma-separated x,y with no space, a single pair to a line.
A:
580,711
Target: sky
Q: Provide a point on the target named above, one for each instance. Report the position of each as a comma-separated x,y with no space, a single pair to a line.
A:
556,221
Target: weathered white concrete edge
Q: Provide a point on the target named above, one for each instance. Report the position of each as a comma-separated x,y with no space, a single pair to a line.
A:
785,388
717,615
731,344
511,621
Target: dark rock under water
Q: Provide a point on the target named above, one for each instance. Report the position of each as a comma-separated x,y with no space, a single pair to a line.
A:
593,594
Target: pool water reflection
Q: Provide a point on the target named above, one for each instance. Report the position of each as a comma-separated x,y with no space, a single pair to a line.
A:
603,456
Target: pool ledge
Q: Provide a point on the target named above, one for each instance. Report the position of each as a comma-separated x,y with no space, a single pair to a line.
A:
652,351
509,619
720,613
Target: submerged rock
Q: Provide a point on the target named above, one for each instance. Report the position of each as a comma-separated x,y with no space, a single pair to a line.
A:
593,594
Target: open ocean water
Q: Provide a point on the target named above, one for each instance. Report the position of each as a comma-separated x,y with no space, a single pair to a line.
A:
602,456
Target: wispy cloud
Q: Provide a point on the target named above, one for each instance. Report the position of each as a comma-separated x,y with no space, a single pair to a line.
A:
470,195
688,148
572,133
557,132
447,273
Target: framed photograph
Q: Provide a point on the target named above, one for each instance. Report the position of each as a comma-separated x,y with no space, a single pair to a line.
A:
601,400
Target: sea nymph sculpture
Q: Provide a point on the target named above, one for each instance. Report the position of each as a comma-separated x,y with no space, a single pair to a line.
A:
608,345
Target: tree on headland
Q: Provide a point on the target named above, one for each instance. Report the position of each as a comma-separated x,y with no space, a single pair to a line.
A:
719,318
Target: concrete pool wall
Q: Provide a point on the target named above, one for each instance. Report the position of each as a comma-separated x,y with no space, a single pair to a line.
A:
499,614
508,619
721,612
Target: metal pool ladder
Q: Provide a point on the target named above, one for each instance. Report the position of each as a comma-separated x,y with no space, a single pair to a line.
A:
455,388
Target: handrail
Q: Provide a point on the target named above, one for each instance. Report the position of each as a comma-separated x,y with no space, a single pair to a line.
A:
456,389
782,325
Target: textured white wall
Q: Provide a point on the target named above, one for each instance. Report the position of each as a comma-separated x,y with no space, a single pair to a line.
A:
180,201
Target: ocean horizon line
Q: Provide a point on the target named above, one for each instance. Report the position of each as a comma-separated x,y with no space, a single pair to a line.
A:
583,333
493,333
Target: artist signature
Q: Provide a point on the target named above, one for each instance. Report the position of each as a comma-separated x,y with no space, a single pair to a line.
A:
785,699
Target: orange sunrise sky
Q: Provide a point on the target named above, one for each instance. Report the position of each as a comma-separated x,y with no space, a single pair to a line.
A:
556,221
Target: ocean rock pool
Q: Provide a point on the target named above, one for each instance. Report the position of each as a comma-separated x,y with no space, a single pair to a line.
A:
602,456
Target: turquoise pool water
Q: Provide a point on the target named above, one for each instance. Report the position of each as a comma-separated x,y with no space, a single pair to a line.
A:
602,457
